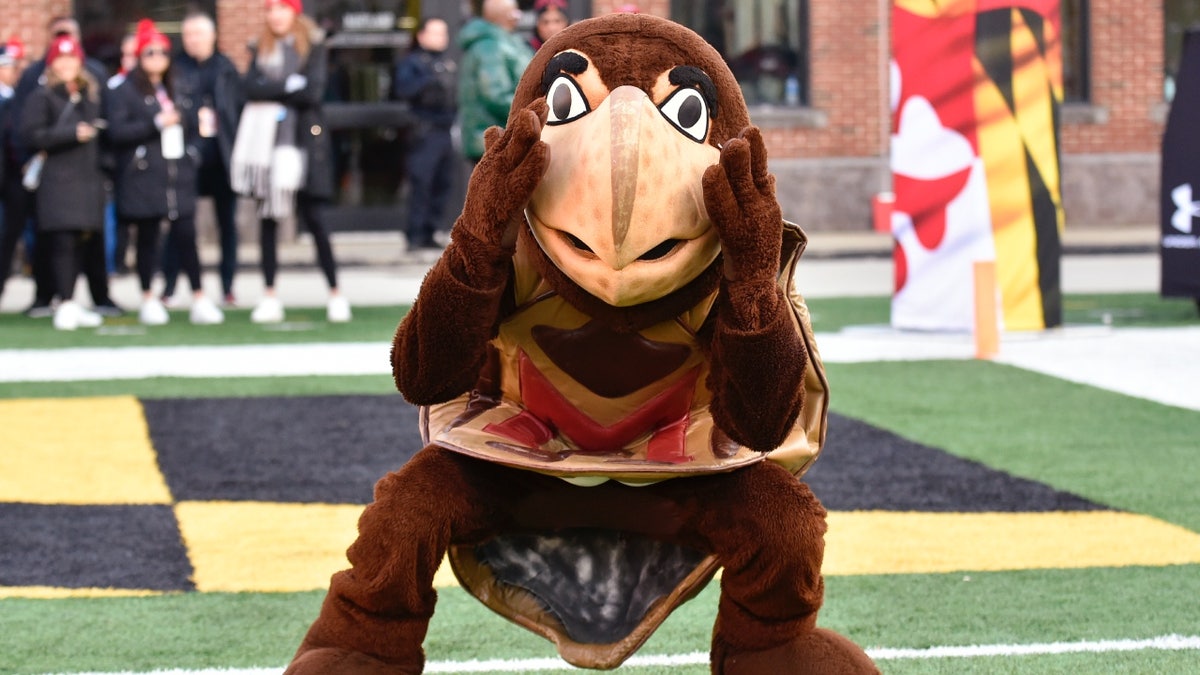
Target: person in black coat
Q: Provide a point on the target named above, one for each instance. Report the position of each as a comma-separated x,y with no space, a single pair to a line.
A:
61,120
155,172
427,78
209,90
19,206
12,61
293,172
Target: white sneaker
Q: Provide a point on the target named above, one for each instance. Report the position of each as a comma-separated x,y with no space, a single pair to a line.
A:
269,310
338,309
89,319
205,312
70,315
153,313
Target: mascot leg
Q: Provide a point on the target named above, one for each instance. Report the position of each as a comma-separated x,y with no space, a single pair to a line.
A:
767,530
375,616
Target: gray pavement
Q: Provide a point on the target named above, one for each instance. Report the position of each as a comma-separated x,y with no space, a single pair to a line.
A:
376,270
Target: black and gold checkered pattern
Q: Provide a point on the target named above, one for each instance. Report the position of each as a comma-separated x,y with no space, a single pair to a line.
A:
118,495
179,495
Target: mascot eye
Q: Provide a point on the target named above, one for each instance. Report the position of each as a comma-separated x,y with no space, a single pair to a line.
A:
661,250
578,243
566,101
687,110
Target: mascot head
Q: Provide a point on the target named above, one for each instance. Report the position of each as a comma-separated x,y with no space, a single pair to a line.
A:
638,109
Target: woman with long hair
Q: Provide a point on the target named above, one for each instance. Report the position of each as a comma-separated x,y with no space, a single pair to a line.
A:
282,155
551,17
156,173
61,123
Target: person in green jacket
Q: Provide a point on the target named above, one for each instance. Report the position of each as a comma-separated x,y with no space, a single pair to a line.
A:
494,58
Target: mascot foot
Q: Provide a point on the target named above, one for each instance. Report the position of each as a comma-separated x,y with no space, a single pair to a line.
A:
342,662
816,652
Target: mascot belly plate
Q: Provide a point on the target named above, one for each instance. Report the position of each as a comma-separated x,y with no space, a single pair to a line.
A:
618,382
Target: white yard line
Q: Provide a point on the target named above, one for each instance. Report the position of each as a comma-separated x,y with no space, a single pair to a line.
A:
1158,364
1163,642
125,363
1151,363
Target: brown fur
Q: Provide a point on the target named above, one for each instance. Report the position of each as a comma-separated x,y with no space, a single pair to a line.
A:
657,45
765,527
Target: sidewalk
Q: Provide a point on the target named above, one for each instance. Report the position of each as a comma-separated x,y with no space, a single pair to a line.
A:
375,270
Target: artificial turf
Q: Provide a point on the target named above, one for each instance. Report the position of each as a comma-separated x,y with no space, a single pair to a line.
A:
1122,451
302,325
202,630
180,387
1097,446
379,323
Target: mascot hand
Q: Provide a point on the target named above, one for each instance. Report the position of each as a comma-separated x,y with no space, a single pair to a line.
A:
739,194
513,164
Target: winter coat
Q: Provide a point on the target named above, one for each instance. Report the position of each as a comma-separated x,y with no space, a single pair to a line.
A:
492,64
6,154
192,82
148,185
312,136
32,79
72,192
428,81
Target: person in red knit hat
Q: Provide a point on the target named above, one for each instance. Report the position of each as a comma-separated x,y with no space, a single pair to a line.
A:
59,124
283,153
155,174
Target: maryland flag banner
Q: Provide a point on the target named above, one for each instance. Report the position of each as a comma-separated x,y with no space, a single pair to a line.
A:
1180,244
976,94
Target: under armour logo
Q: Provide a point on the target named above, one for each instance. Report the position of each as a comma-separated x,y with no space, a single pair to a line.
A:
1185,208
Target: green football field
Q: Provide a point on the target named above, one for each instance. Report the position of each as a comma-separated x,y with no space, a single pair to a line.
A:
983,518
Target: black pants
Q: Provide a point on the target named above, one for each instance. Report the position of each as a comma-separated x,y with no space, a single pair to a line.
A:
11,228
212,181
70,252
18,209
181,242
431,164
308,211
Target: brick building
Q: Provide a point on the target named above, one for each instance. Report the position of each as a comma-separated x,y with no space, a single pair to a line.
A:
815,72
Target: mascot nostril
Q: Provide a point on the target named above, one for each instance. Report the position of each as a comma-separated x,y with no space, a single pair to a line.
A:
618,380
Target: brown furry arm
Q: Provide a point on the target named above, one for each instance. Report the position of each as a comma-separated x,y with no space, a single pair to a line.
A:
758,364
440,346
758,357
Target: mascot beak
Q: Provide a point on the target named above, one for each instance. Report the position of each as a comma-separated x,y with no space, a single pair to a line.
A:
621,208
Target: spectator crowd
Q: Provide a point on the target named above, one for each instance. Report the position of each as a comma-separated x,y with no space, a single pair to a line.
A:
93,162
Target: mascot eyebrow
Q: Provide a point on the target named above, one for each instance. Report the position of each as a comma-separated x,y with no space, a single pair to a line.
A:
680,76
691,76
566,62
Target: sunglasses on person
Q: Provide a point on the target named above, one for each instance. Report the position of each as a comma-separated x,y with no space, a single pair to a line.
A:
155,52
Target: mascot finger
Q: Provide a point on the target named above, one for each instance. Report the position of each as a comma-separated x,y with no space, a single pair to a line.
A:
719,200
491,137
512,166
763,180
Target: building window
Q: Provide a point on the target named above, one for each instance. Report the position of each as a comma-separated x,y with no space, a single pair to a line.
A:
1075,49
765,43
1178,17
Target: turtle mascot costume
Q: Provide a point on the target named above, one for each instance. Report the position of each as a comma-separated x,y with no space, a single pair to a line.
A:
618,381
